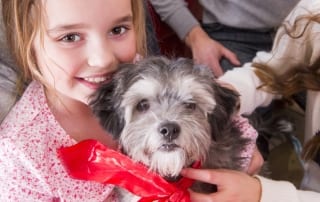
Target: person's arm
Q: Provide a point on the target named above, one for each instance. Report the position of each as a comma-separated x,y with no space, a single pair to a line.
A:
238,186
176,14
245,82
231,185
288,52
204,49
283,191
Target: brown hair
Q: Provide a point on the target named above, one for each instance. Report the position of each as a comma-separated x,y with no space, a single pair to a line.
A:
302,76
298,78
22,20
312,148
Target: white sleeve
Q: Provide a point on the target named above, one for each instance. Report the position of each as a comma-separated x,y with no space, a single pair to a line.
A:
245,81
284,191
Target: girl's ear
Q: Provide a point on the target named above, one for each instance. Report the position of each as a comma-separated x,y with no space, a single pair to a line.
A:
105,105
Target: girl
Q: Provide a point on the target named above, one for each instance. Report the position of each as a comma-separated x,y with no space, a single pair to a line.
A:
66,48
292,66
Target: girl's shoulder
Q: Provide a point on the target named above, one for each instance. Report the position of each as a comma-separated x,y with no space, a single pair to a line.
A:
31,104
32,120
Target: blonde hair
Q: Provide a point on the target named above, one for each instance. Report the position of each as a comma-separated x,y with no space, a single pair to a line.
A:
139,22
23,19
298,78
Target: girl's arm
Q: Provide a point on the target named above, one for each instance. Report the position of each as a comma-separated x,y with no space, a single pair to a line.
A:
245,82
279,191
238,186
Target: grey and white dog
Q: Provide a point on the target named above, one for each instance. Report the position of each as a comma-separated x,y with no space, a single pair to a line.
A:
170,113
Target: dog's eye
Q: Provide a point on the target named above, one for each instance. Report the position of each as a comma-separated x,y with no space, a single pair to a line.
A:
143,105
190,105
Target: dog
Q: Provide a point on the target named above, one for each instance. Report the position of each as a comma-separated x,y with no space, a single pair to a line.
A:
169,113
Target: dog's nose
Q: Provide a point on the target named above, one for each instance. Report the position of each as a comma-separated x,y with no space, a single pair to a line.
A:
169,131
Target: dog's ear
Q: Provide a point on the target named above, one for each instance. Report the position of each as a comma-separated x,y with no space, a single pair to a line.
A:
226,98
106,110
227,105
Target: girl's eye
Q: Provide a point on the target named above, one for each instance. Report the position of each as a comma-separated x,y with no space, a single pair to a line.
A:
71,38
143,105
118,30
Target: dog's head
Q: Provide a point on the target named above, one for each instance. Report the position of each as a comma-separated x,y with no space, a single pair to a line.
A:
163,111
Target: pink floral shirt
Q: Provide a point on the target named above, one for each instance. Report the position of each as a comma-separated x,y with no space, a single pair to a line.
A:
250,133
29,167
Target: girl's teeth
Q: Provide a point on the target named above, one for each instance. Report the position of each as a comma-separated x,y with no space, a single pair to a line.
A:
95,79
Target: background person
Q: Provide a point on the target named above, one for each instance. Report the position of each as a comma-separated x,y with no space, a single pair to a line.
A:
231,32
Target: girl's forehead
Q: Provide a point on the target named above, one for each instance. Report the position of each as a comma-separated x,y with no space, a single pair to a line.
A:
85,12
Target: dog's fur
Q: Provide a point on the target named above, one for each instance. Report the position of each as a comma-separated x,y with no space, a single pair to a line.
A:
167,114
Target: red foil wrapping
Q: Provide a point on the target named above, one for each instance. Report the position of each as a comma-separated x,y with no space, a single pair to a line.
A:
91,160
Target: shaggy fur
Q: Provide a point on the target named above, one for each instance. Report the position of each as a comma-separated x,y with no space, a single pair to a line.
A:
167,114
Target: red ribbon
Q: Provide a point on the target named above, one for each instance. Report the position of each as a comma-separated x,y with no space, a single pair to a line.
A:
91,160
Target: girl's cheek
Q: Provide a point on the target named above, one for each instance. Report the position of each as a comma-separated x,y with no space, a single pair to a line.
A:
127,57
127,51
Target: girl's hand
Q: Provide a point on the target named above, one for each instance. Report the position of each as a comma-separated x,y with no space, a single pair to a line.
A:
256,162
232,185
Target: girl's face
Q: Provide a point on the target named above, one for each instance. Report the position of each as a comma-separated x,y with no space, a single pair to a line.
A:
82,44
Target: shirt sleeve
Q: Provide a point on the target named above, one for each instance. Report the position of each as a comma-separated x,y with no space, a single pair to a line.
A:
176,14
245,81
283,191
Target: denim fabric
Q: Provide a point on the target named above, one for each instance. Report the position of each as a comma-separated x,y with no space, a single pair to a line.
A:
243,42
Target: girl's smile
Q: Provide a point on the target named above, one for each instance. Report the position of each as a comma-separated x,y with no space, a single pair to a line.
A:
94,82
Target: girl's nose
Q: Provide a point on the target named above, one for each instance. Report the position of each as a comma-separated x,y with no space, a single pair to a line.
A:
100,54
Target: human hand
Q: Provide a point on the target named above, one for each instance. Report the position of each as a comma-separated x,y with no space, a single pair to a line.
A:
256,162
232,185
208,51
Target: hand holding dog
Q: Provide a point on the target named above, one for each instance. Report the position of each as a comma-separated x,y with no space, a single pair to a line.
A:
256,162
232,185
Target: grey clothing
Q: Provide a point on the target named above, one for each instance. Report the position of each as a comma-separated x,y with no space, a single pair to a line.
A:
8,76
244,43
7,89
247,14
